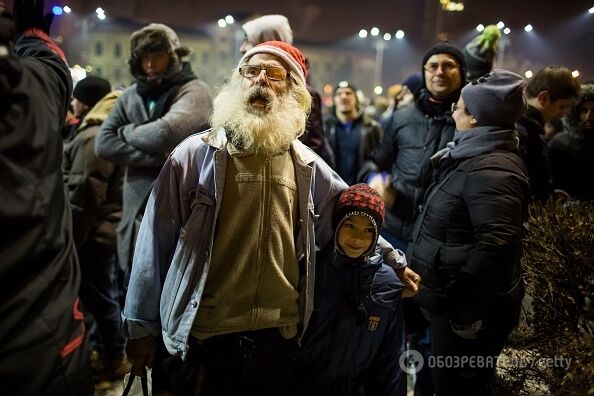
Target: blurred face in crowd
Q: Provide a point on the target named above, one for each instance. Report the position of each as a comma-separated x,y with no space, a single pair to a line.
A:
404,97
245,45
355,235
260,108
345,100
442,75
464,121
155,64
78,107
587,116
554,110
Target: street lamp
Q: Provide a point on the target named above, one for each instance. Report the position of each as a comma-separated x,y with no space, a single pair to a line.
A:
380,45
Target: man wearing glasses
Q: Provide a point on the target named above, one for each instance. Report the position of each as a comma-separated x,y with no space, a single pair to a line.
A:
400,168
224,265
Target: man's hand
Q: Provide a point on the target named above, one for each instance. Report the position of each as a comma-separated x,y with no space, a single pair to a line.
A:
141,353
411,281
383,185
29,14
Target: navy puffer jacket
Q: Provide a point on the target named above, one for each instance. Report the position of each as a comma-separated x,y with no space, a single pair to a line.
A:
356,334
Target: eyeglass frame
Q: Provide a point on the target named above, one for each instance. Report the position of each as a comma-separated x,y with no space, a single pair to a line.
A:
445,66
455,106
263,67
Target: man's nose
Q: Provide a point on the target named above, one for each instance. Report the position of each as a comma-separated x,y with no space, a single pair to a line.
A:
262,79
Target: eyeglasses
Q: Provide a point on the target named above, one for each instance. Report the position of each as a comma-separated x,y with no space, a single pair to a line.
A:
455,107
446,67
273,73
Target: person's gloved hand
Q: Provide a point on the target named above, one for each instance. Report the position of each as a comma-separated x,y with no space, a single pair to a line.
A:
29,14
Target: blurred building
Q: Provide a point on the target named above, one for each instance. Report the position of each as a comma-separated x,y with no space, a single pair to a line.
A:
104,48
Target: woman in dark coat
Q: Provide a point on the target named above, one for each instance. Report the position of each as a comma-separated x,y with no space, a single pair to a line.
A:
466,242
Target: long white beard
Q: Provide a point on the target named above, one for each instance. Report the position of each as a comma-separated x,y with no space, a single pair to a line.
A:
269,131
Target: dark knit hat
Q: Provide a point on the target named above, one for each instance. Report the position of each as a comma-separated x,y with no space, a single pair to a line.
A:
289,54
414,82
480,52
445,47
345,84
496,98
91,89
362,200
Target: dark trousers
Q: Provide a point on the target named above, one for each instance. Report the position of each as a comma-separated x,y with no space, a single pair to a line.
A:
99,293
455,378
259,362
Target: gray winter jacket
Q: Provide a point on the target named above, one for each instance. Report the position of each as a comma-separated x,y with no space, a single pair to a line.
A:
128,139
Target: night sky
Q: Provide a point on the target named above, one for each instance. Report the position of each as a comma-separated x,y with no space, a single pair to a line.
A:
563,30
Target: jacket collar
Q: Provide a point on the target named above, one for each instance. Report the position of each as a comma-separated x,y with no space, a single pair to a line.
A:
217,139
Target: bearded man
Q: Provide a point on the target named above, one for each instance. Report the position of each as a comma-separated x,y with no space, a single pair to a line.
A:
222,278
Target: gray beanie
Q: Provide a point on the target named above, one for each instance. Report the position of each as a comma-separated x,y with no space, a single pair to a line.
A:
496,99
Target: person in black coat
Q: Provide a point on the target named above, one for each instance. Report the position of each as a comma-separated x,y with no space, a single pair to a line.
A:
549,94
355,337
42,335
466,242
572,151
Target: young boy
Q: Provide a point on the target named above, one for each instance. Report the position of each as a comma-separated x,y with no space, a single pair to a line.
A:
356,334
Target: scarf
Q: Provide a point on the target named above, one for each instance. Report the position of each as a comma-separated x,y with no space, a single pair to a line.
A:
163,90
435,107
477,141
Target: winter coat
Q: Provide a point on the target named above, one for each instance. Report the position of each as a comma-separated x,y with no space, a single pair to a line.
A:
345,351
572,160
466,242
370,134
128,138
176,236
535,154
405,152
41,330
94,184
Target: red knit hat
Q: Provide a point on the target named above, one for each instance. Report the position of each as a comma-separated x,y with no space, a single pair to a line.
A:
362,200
289,54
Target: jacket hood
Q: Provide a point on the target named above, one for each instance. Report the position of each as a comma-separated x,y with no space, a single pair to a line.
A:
100,111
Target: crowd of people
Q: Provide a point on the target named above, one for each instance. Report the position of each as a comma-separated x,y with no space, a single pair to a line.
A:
243,242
